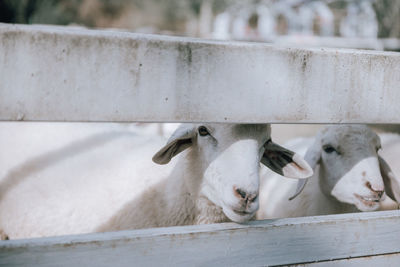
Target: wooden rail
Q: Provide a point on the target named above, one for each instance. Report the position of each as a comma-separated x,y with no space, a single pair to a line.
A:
62,74
258,243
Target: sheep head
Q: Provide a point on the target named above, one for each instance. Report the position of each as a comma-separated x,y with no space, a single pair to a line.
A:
228,157
350,168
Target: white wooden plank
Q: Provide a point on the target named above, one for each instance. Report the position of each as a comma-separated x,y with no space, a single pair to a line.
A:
63,74
387,260
270,242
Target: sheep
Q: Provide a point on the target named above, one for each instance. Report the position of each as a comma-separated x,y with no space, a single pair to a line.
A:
214,179
63,178
349,176
217,180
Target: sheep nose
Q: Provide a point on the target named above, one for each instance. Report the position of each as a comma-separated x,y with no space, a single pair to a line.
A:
243,195
379,192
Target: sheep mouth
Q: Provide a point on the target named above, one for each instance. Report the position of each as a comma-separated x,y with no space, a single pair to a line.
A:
242,212
369,201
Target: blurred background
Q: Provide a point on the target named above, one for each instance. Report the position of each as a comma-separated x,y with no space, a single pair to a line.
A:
308,22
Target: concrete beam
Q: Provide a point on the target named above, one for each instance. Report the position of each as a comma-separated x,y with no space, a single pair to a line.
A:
68,74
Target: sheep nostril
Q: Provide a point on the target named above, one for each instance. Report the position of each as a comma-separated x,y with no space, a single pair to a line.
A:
253,198
378,192
368,184
241,193
244,196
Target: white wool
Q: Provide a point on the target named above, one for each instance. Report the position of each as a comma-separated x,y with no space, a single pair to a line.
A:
68,178
170,201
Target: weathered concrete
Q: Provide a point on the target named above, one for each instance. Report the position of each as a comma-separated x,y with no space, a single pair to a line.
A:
63,74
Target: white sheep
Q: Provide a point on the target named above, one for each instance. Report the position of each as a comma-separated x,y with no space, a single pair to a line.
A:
349,176
215,179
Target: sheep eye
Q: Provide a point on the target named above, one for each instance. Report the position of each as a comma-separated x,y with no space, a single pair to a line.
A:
203,131
329,149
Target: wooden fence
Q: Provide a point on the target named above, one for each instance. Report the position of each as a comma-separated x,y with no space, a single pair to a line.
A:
69,74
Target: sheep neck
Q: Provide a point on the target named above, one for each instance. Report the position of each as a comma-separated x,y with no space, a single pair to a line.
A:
328,203
201,208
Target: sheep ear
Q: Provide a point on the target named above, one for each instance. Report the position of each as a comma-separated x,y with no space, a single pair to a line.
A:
285,162
313,156
181,139
392,183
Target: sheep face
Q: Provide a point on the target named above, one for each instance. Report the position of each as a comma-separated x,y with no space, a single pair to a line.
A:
349,166
227,157
231,157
